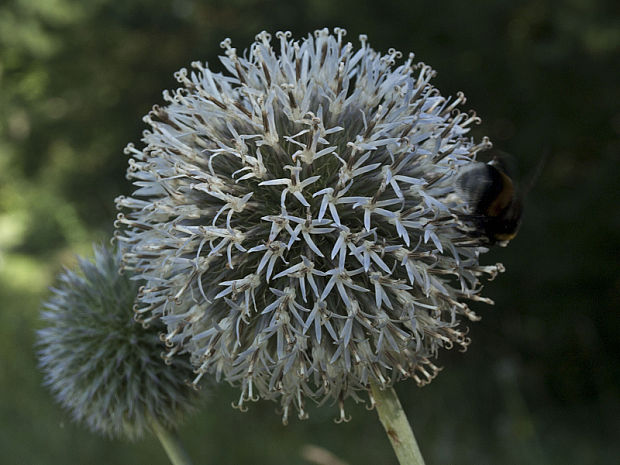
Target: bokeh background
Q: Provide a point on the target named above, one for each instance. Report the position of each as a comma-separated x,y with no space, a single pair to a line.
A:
540,382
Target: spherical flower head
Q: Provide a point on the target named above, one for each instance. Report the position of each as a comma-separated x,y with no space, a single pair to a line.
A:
297,223
102,366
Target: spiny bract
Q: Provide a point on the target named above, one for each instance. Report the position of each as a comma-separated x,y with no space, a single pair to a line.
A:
296,220
100,364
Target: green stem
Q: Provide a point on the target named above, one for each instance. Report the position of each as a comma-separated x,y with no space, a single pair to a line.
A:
172,445
396,425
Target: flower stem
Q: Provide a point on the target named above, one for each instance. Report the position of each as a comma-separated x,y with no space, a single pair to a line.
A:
172,445
396,425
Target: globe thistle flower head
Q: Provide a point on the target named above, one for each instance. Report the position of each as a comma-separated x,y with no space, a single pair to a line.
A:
102,366
296,219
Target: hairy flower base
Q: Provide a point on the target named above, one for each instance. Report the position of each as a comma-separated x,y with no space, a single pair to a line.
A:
296,220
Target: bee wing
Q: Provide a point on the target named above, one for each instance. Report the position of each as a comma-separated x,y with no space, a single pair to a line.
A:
533,177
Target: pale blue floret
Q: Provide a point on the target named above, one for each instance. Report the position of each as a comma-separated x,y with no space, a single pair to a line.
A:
303,203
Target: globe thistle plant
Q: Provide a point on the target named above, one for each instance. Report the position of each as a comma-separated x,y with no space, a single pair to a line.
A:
296,220
101,365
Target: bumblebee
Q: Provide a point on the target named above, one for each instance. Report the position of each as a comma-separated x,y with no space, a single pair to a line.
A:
495,203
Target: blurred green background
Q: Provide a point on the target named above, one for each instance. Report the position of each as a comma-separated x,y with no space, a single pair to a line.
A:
540,382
